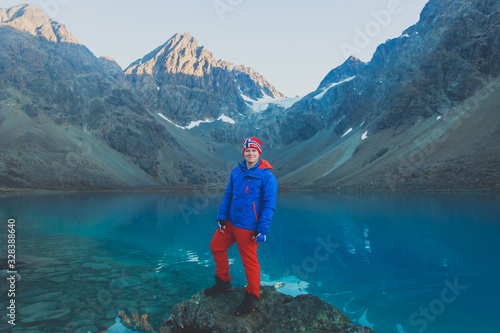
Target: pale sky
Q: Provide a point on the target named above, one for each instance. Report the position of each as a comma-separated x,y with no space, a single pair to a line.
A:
293,43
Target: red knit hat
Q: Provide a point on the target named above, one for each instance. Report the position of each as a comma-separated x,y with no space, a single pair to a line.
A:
252,142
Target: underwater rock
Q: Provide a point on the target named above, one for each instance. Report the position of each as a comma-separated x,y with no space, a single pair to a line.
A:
97,267
33,309
46,316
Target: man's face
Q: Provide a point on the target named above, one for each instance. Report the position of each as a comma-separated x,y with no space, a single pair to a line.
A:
251,155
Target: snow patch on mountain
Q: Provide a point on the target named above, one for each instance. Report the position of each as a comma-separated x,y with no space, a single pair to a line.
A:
262,104
193,124
170,121
226,119
331,86
348,131
197,123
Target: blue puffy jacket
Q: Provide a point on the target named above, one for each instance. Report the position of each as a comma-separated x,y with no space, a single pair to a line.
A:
250,197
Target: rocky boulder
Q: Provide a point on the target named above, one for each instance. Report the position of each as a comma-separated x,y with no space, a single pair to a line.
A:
277,313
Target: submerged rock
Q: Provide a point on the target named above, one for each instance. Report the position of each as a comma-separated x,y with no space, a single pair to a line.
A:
46,316
277,313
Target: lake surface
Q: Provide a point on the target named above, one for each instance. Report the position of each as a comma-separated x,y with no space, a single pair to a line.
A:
398,262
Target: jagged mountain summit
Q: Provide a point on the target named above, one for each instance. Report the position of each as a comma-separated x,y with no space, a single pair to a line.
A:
181,54
253,84
185,83
31,19
348,70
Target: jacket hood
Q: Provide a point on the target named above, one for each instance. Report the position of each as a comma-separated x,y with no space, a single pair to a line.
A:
265,165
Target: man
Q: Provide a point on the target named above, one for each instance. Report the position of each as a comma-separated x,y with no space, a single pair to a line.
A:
245,216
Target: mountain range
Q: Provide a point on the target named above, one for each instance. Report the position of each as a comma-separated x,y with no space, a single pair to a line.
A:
422,114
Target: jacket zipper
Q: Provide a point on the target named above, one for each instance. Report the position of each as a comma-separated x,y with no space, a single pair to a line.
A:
246,190
255,211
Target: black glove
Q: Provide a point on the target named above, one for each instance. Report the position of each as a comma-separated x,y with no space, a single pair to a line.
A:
221,224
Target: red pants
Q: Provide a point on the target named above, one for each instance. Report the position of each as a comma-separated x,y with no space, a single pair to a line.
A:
248,252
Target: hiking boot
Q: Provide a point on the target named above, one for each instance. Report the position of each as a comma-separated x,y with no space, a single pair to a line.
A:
220,286
249,304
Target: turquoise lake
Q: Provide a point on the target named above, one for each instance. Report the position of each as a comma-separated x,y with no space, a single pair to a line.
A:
397,262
